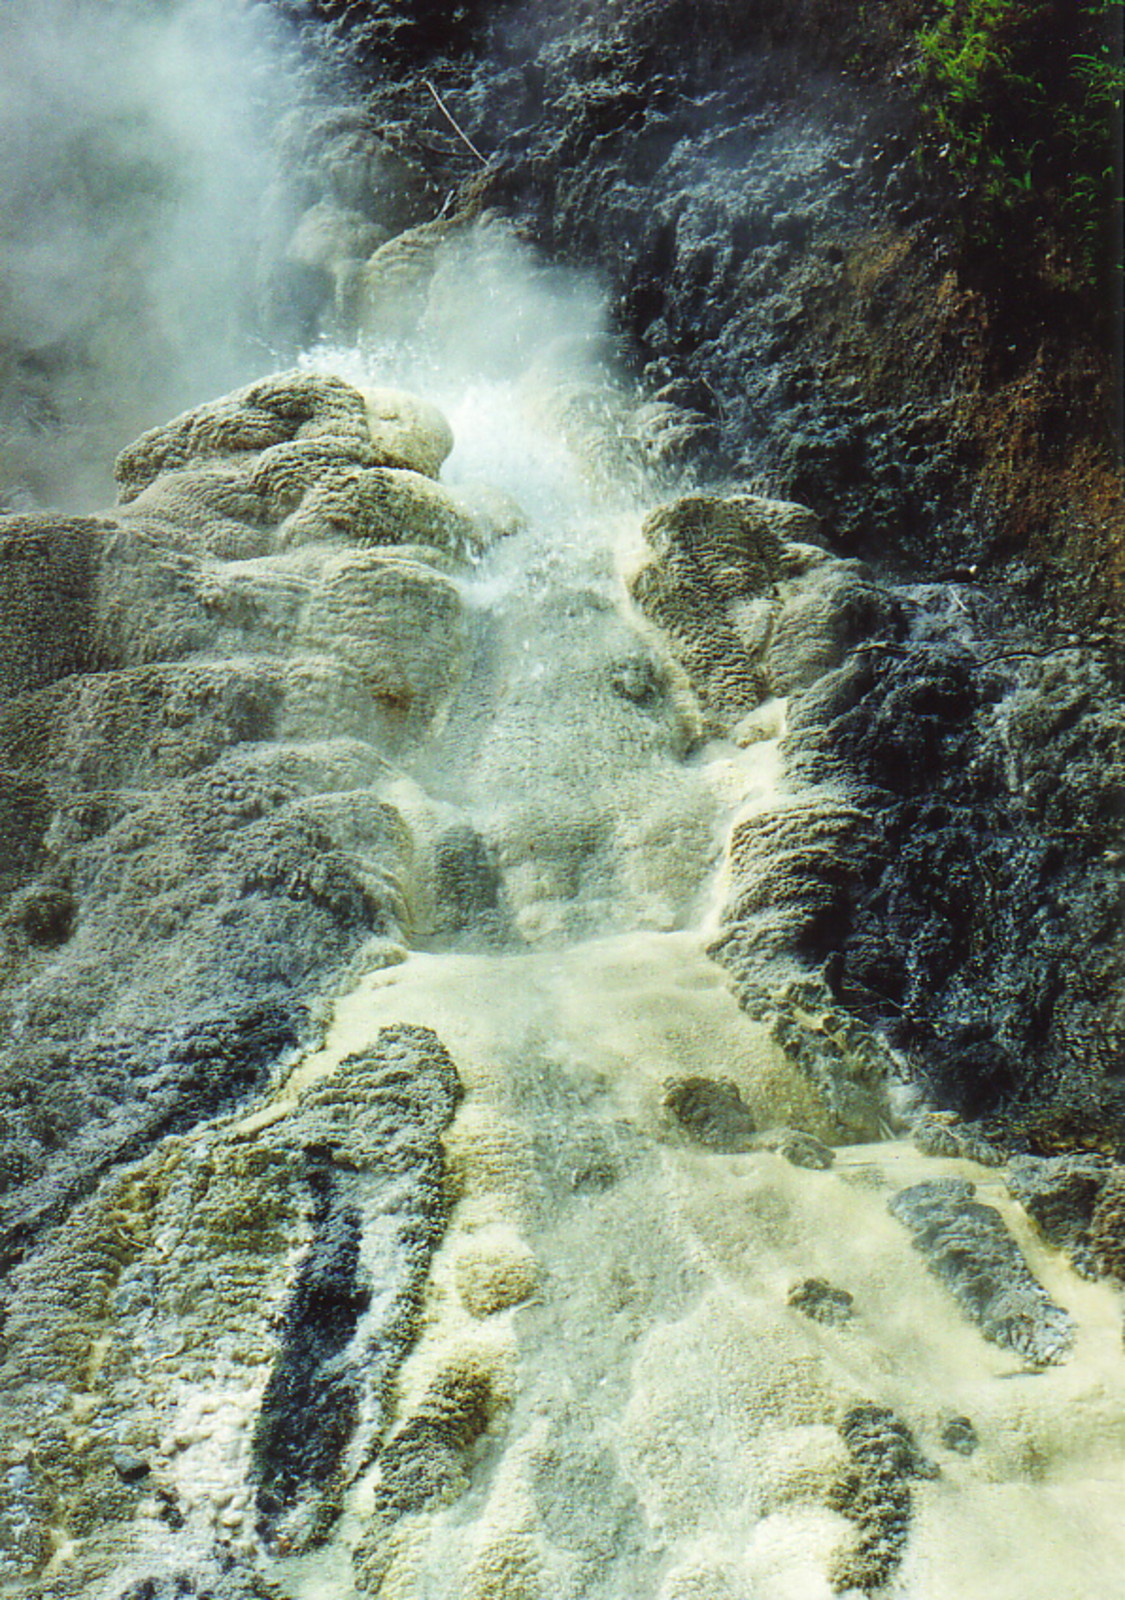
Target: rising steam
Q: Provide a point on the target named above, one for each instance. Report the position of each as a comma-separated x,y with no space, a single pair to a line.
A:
131,174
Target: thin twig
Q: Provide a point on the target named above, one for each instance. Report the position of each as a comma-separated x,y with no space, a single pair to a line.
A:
458,130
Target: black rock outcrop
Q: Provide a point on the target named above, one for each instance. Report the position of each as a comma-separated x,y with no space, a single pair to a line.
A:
968,1247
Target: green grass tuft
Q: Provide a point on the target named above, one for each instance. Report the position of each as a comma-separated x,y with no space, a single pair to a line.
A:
1023,100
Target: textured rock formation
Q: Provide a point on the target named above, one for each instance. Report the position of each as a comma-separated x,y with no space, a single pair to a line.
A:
821,1301
943,1133
370,1139
983,930
306,755
1061,1195
711,1112
749,614
208,1346
926,817
876,1495
1107,1229
754,611
967,1245
194,832
779,292
196,840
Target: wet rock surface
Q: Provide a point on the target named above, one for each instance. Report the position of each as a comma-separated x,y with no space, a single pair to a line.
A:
219,1580
967,1246
747,180
821,1301
528,1342
876,1495
247,1303
1061,1195
983,931
370,1141
208,822
71,1113
721,188
196,842
801,1149
754,609
958,1433
776,270
922,861
711,1111
943,1133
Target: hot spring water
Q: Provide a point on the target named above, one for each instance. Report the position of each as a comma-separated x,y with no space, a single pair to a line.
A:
666,1423
603,1317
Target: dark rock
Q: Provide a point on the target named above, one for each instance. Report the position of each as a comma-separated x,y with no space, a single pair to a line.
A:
1060,1194
309,1408
712,1112
876,1495
958,1433
371,1138
875,1436
381,35
941,1133
44,913
1060,739
1107,1227
802,1150
25,812
467,886
821,1301
47,568
986,946
129,1466
968,1247
219,1577
69,1112
426,1459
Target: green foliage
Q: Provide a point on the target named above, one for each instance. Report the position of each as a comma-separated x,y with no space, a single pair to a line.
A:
1022,99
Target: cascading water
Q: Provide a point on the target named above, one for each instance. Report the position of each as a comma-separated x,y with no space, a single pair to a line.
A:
439,1163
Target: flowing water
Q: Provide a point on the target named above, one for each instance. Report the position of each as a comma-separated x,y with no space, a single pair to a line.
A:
664,1422
646,1362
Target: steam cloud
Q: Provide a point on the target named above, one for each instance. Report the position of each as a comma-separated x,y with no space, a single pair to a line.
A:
132,168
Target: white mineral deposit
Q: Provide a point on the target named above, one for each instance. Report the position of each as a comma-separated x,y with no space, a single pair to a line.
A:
446,1151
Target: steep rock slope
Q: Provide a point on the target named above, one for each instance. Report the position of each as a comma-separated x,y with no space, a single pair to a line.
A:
511,1262
750,180
787,291
396,1198
195,835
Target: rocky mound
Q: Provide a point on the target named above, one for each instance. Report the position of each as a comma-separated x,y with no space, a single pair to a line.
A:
200,692
947,860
